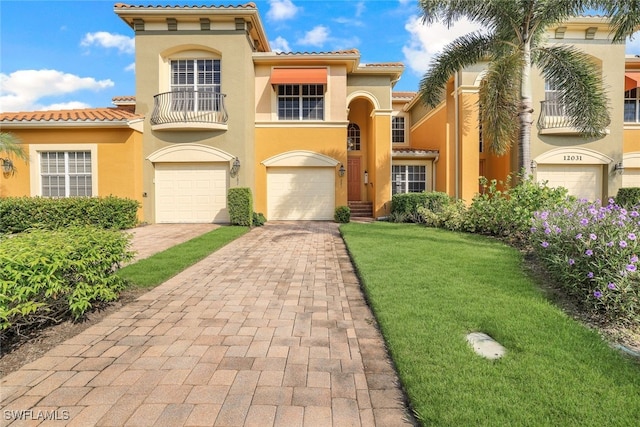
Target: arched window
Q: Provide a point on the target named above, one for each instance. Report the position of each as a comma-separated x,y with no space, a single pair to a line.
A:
353,137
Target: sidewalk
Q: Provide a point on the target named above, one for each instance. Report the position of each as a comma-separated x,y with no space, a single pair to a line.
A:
270,330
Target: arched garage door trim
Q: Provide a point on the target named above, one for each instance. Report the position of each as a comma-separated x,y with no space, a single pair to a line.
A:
189,153
563,156
300,158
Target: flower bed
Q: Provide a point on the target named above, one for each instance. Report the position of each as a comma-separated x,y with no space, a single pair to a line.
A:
592,251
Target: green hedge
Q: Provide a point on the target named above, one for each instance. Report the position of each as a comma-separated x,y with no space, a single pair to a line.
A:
21,213
628,197
240,204
407,204
45,275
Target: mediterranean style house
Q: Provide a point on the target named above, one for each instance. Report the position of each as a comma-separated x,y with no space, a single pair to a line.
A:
216,108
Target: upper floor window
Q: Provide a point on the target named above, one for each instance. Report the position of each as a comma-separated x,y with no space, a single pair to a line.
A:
353,137
300,102
65,173
195,84
553,104
397,129
631,104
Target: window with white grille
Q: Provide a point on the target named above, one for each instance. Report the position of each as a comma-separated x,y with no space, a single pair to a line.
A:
408,178
397,129
65,173
300,102
195,84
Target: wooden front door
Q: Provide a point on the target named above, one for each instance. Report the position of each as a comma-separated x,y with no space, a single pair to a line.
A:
354,176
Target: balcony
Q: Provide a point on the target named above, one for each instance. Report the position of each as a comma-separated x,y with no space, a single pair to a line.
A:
553,119
189,110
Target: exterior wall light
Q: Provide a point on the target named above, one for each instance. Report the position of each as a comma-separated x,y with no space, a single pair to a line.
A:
7,166
619,167
534,165
342,170
235,168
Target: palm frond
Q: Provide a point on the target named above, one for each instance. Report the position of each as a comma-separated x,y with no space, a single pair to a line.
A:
579,82
499,100
624,15
11,145
465,50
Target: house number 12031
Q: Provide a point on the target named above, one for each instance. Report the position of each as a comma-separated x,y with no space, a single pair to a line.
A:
572,158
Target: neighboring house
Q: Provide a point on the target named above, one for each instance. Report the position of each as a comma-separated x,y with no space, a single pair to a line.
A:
589,168
92,152
215,108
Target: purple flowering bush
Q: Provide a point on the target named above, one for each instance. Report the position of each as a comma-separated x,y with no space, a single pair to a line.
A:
593,251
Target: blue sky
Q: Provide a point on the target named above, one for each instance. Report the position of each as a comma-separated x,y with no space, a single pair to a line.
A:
77,54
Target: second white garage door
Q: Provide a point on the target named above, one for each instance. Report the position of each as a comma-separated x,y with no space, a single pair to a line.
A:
191,192
300,193
631,177
582,181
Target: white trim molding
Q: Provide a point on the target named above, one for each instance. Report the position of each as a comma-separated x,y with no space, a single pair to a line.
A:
183,153
35,181
631,160
573,155
300,158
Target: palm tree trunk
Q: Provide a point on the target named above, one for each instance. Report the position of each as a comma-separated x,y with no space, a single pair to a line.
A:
526,112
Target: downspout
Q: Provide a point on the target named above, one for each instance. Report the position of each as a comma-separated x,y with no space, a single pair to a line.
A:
456,135
433,173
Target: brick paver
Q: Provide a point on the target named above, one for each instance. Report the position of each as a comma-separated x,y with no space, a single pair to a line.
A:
270,330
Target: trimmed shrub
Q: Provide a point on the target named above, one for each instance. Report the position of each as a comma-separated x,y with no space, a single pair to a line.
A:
450,216
405,205
240,203
258,219
592,251
46,275
21,213
628,197
509,213
342,214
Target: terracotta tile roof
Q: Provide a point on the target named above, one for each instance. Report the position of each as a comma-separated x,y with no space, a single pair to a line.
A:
249,5
75,116
335,52
123,99
414,152
403,95
385,64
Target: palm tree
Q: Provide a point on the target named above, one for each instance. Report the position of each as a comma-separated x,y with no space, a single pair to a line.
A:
513,42
10,145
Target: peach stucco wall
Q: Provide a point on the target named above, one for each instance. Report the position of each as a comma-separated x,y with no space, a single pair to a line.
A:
119,159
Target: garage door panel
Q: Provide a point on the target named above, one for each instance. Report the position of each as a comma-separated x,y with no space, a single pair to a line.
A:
191,192
582,181
631,177
300,193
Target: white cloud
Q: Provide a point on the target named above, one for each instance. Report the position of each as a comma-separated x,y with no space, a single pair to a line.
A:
427,41
72,105
131,67
315,37
107,40
360,7
281,10
280,44
632,46
22,89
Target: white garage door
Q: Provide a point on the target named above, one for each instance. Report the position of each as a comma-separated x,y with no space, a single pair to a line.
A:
191,192
631,177
582,181
300,193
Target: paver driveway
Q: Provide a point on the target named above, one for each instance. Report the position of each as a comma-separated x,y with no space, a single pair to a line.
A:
270,330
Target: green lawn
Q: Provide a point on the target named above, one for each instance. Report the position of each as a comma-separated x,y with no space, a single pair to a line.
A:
428,288
158,268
